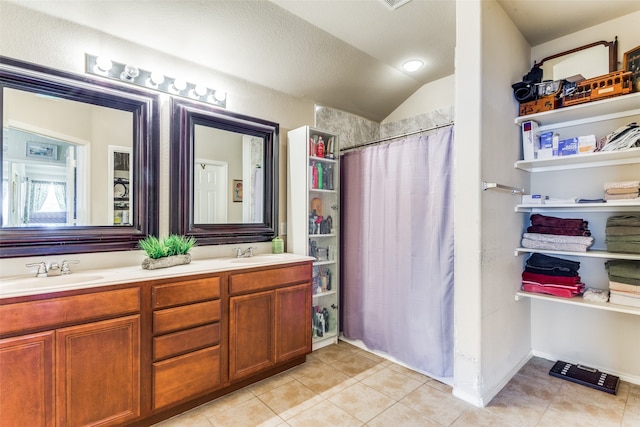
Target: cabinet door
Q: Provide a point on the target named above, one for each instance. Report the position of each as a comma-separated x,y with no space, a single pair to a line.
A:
98,373
251,333
26,380
293,321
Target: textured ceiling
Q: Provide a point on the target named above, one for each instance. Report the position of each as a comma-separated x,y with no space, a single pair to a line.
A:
343,54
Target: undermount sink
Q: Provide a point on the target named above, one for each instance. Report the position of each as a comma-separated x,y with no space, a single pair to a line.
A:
259,259
30,283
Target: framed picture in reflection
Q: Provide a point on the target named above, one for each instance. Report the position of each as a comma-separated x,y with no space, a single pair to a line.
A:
42,150
237,190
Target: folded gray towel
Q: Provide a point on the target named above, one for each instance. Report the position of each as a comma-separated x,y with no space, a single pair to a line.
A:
556,238
569,247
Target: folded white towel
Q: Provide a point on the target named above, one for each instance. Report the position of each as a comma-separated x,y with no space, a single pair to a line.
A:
598,295
622,184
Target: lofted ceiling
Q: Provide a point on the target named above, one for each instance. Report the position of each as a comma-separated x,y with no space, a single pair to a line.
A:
344,54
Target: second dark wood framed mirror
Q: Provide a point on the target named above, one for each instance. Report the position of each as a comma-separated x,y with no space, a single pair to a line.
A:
224,175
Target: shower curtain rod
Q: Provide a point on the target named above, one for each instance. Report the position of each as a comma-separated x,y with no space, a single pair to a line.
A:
388,138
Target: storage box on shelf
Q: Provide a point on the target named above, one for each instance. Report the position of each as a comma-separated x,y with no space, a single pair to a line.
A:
601,113
313,228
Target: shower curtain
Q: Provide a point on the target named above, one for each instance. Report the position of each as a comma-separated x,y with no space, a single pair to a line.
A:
397,250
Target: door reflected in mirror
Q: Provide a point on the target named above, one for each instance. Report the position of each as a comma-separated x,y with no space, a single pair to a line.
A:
224,175
54,172
228,177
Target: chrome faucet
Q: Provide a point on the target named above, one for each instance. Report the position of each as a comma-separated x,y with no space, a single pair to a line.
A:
52,269
246,253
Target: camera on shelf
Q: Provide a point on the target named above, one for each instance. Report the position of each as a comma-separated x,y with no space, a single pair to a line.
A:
526,90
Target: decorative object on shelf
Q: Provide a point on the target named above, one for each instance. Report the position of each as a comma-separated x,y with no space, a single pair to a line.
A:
631,63
174,250
277,245
606,86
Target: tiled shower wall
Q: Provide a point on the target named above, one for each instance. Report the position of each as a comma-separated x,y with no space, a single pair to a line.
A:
354,130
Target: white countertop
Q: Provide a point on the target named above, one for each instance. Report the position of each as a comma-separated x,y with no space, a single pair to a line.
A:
29,285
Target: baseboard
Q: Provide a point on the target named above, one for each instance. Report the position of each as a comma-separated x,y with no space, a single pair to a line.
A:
634,379
484,399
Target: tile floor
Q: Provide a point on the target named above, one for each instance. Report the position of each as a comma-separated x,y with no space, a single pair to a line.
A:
341,385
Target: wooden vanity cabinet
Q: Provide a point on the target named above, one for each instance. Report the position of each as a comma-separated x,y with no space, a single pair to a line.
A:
186,343
26,380
73,369
269,318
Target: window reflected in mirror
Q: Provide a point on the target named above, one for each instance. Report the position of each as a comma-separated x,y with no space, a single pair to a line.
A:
54,172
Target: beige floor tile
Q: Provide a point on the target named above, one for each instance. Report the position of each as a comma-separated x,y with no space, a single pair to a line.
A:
270,383
401,416
556,418
326,381
290,399
409,372
356,365
392,383
188,419
362,401
312,363
478,417
333,353
446,388
435,404
631,416
252,413
228,401
537,367
326,414
522,401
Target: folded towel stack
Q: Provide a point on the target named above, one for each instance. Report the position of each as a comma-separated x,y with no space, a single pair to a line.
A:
559,234
624,282
623,234
622,191
550,275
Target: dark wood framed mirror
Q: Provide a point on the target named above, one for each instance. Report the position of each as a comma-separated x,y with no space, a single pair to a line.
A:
224,175
79,162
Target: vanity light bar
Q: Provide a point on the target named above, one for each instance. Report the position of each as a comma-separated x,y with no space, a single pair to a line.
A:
104,67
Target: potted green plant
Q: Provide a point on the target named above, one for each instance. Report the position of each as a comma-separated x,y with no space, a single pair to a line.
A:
161,253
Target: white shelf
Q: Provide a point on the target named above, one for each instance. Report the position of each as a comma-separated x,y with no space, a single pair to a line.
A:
323,262
321,159
313,236
605,109
583,207
579,161
324,294
319,190
579,301
587,254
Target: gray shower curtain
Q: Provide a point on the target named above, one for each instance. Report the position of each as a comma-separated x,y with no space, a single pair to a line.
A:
397,250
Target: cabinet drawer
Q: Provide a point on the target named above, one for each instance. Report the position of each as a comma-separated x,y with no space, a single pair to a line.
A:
49,313
267,279
185,341
187,316
186,292
186,376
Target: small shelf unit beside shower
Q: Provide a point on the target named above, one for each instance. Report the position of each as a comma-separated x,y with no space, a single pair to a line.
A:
313,222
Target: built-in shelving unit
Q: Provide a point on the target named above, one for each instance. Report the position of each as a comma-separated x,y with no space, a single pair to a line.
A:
584,114
313,221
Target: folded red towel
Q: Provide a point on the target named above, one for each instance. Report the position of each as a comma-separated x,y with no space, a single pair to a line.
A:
565,293
544,278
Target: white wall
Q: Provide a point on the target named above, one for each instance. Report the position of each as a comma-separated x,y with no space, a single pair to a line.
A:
430,97
492,330
37,38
